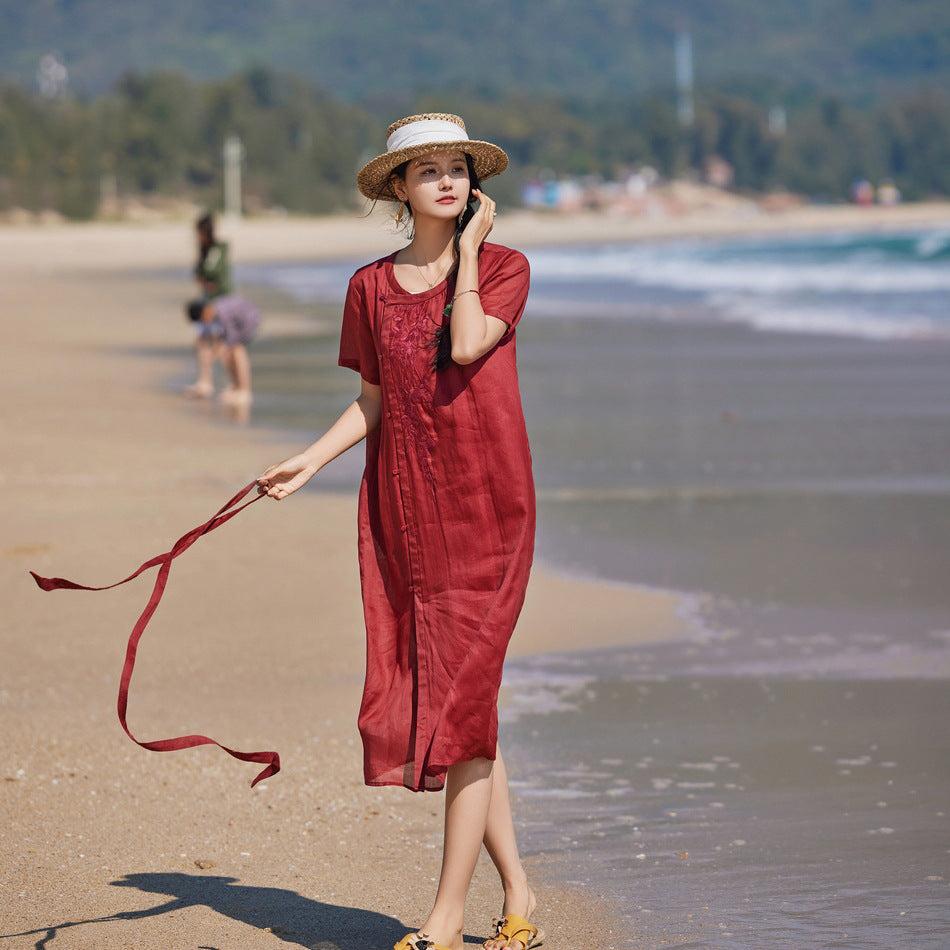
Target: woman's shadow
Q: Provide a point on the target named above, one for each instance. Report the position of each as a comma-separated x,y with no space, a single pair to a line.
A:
296,919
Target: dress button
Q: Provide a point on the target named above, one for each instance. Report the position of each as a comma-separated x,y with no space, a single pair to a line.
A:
404,527
395,471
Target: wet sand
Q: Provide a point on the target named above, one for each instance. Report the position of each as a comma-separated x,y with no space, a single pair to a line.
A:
797,482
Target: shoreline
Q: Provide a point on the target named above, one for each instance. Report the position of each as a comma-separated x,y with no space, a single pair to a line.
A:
154,245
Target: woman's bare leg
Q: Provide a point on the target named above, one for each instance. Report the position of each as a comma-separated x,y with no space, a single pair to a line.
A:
502,845
240,368
205,353
468,794
237,397
238,365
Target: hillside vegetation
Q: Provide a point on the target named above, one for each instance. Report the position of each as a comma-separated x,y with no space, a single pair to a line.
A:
160,137
142,96
860,50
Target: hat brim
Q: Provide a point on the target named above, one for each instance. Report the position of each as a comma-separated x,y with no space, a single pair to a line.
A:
374,182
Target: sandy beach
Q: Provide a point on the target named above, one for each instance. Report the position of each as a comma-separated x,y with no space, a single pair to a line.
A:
259,641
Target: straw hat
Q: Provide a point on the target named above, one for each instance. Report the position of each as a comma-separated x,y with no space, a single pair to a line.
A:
420,135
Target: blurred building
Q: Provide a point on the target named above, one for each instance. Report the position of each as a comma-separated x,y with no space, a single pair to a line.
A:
52,77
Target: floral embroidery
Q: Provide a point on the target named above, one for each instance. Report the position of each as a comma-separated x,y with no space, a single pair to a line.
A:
411,331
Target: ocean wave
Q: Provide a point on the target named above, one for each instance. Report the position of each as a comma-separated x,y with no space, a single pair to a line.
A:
765,267
836,319
882,286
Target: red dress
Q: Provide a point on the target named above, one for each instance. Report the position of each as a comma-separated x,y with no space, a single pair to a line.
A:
446,522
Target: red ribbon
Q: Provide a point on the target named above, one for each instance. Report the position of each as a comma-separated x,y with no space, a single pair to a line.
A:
164,563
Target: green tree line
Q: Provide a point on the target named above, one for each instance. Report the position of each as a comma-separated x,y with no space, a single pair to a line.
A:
160,136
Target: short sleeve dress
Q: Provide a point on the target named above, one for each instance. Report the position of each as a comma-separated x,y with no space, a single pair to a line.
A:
446,521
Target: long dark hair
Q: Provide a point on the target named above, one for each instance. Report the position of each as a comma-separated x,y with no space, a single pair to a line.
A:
471,206
205,228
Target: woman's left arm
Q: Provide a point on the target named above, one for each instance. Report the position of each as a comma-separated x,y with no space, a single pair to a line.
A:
474,332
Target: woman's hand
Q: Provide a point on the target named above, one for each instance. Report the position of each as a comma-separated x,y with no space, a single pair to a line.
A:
286,477
480,225
361,417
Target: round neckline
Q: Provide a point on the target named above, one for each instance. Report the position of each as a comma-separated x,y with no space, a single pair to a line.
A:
423,294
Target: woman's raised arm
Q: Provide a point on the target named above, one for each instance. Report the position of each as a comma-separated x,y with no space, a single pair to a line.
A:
473,331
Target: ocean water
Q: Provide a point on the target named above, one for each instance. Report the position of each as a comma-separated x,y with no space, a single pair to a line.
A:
884,285
763,426
737,811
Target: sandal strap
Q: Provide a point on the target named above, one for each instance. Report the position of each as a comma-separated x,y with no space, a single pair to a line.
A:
512,926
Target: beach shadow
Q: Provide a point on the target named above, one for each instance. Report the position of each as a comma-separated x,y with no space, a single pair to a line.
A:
297,920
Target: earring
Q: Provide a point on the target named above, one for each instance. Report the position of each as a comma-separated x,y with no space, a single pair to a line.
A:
399,214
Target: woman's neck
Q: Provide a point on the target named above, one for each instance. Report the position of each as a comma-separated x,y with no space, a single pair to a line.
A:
432,241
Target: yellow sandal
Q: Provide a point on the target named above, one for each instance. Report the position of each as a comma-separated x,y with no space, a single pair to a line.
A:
418,941
512,927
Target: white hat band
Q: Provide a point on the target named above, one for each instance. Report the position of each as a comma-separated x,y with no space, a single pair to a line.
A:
423,132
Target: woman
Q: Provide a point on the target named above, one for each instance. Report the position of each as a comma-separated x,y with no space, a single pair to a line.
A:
213,274
225,324
446,507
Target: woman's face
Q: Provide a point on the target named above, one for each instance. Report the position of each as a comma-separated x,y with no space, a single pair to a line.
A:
435,185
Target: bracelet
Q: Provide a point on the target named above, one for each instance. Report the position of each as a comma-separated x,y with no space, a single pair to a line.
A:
461,292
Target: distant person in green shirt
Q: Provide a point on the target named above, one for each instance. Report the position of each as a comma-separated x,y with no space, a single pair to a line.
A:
225,323
213,273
